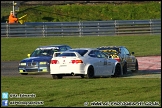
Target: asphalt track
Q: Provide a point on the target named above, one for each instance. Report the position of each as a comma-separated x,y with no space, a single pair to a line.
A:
149,67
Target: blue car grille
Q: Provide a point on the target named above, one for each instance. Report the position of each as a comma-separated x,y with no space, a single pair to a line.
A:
34,67
31,70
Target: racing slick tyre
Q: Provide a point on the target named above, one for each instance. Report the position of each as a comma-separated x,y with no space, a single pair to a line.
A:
117,71
56,76
136,67
90,73
125,68
24,73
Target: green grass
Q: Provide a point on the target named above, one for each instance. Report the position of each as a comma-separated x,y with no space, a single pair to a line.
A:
92,12
14,49
71,92
74,92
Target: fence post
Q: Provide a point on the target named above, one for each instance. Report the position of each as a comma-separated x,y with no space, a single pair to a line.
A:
80,29
7,29
46,33
62,30
115,27
98,29
25,31
150,27
43,30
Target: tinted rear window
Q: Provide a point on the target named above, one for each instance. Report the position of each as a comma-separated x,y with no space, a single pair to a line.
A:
67,54
117,49
81,52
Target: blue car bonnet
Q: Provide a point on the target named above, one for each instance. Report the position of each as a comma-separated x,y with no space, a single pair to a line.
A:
38,59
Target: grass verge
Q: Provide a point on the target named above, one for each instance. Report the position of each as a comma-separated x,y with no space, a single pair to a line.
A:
15,49
75,92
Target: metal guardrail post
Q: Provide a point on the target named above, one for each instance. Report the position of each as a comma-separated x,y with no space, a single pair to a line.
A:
98,28
115,27
62,30
25,31
133,26
80,29
150,27
43,30
46,34
7,29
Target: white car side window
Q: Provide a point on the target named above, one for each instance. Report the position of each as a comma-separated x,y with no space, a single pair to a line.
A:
92,54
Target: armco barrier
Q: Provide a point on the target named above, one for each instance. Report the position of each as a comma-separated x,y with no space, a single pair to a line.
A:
82,28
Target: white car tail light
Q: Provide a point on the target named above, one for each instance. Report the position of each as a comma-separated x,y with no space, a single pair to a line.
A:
54,62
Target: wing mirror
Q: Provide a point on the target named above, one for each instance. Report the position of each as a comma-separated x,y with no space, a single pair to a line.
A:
28,55
133,53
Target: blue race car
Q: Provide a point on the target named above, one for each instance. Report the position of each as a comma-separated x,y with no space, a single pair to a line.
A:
39,60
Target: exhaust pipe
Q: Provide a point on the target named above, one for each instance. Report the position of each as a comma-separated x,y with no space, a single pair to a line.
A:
72,74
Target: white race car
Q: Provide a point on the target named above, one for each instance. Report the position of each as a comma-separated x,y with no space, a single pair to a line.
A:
89,62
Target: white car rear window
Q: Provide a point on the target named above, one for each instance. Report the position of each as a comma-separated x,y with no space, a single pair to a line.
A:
67,54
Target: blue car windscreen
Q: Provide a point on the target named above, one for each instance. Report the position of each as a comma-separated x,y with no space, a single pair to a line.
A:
45,52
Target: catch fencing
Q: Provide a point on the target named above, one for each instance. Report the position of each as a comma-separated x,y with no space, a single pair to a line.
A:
82,28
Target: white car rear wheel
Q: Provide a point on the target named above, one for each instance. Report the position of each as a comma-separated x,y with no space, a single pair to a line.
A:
90,73
57,76
117,71
82,76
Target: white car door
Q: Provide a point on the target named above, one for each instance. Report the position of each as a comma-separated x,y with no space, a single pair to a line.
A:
108,64
95,61
102,63
97,66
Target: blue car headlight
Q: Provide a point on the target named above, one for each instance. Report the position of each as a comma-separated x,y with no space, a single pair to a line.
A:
42,63
22,64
